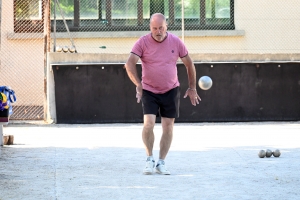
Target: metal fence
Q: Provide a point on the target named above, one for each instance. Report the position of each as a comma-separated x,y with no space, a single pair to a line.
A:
250,27
22,55
103,18
219,27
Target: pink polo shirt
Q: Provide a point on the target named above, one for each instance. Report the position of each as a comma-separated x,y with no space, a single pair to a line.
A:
159,70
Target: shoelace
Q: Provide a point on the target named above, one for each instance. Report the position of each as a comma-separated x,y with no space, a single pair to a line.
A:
160,163
148,159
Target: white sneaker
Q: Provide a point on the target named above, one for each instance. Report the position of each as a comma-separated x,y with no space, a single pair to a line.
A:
161,169
148,170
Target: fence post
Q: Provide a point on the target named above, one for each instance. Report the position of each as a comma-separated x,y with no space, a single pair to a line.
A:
182,20
47,38
1,135
0,20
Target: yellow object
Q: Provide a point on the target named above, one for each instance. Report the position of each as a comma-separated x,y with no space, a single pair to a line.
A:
3,100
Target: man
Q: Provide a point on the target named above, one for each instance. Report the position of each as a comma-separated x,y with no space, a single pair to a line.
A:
159,88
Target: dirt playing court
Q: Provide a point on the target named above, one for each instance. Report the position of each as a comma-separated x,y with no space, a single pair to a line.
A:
105,161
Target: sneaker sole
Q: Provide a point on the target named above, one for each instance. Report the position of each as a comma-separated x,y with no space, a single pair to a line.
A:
159,172
147,173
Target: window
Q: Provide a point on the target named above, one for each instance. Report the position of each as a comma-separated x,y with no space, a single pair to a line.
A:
128,15
28,16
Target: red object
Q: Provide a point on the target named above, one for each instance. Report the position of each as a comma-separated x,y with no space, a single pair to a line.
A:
4,119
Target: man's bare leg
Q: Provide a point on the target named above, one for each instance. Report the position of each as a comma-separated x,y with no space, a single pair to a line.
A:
167,136
148,139
148,134
165,143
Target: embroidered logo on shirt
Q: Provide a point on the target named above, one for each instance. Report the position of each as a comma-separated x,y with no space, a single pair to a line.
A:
172,51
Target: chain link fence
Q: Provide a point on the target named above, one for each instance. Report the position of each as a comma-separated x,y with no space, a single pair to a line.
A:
213,30
22,56
103,22
209,26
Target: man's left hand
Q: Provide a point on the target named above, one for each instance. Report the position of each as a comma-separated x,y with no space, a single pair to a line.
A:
194,97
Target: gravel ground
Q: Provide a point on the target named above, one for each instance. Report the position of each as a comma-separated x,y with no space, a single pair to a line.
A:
105,161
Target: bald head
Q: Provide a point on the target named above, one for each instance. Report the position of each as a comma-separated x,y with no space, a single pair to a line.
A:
158,26
158,17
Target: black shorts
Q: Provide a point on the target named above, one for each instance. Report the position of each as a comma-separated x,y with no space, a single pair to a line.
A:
164,105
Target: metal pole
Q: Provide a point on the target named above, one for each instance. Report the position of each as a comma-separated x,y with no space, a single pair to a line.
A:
54,27
182,20
0,20
66,25
47,31
1,135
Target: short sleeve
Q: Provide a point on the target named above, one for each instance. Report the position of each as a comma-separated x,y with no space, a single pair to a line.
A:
137,48
182,49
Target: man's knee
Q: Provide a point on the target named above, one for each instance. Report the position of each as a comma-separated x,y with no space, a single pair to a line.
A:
149,121
167,125
167,121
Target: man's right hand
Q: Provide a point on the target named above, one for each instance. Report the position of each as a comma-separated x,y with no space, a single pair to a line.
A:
139,93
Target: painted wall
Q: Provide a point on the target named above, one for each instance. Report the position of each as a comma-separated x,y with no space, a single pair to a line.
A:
240,93
22,61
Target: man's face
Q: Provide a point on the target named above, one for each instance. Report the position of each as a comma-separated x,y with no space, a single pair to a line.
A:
158,28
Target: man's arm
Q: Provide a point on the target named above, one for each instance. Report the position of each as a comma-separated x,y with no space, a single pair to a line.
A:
133,75
191,72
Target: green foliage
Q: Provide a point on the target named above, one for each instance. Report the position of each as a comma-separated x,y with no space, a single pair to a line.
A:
67,7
